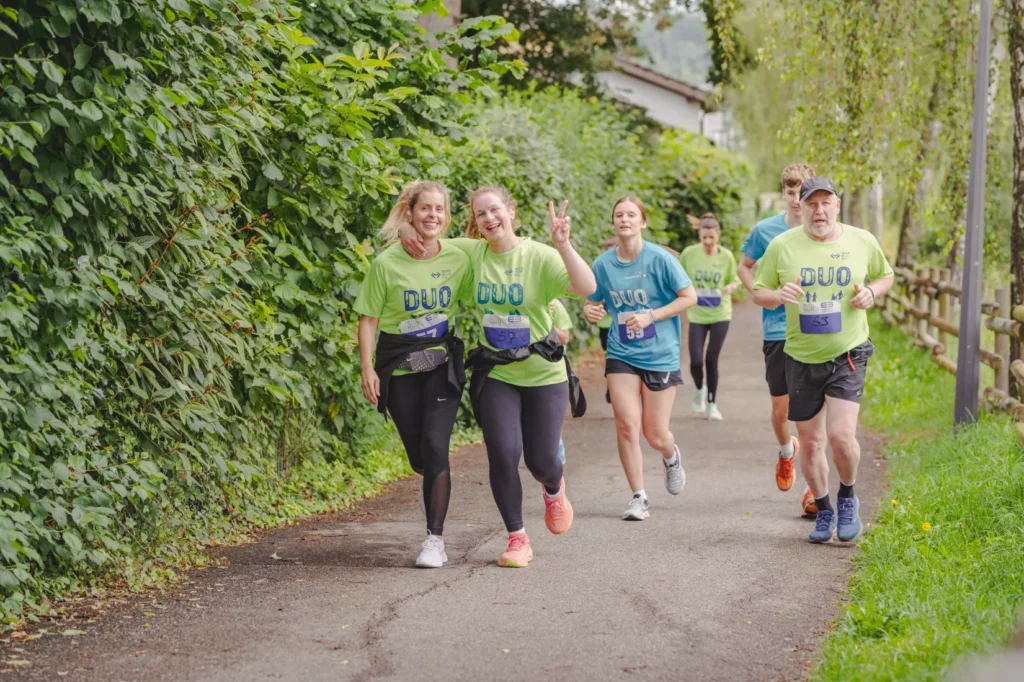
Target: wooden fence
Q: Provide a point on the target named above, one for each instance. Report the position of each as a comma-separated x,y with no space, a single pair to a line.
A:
926,303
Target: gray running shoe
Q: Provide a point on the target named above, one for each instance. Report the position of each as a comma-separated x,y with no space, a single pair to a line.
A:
432,554
675,477
699,404
637,509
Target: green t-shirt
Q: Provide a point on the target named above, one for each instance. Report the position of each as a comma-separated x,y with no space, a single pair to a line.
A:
511,292
710,274
561,317
824,325
415,297
605,322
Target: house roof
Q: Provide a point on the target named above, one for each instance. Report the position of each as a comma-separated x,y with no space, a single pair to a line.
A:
687,90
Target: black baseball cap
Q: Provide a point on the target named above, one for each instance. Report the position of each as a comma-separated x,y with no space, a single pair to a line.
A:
816,184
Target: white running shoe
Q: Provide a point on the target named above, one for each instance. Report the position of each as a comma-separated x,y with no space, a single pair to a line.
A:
713,413
421,502
637,509
699,406
675,477
432,553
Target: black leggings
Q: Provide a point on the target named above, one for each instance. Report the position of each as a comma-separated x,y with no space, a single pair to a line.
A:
424,406
698,333
521,420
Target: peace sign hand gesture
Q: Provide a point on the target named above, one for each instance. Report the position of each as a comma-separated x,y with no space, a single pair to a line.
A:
559,225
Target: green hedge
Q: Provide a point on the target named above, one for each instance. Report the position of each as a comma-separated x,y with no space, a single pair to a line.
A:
189,188
554,144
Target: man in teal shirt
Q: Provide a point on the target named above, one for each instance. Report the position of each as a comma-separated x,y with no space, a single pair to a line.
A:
828,274
774,322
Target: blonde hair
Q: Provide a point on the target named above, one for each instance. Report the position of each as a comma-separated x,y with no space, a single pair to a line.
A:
709,222
407,202
472,229
794,174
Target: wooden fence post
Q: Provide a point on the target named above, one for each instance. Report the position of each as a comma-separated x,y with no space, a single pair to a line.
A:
933,303
922,302
944,275
1002,346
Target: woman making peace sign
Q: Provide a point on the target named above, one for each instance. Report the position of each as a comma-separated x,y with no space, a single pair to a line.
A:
521,383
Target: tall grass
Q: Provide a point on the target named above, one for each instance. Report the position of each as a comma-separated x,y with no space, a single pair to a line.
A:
941,575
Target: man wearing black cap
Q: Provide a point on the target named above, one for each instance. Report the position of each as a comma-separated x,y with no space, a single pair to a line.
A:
828,274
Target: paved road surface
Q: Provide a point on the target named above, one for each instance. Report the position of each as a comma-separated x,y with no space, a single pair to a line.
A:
719,584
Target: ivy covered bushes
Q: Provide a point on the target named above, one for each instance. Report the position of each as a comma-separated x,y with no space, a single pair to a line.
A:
185,188
189,188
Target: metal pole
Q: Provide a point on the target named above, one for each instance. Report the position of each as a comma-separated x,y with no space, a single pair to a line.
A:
968,371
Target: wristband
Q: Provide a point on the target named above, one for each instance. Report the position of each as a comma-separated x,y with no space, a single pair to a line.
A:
651,313
873,297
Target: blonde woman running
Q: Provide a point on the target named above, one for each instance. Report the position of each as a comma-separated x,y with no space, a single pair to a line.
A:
418,373
645,289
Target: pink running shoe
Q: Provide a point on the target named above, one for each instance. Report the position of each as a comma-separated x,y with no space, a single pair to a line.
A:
557,512
518,552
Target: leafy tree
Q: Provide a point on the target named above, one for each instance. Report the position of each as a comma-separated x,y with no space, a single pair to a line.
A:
1015,21
560,40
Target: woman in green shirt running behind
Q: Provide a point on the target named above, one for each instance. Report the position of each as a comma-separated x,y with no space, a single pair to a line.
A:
418,373
713,270
521,384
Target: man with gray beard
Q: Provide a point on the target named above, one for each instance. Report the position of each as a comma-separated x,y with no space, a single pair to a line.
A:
828,274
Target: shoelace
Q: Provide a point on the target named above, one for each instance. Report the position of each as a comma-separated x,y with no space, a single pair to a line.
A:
555,505
824,521
846,513
516,542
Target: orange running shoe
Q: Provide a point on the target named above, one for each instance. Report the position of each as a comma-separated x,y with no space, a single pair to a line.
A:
557,512
810,507
785,469
518,552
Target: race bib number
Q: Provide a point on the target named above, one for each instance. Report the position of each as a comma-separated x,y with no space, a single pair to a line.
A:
821,318
626,335
505,332
432,326
709,298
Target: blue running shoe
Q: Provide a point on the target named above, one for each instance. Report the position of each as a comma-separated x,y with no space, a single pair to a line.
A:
850,526
824,527
561,451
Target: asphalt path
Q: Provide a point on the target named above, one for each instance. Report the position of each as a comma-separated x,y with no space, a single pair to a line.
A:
719,583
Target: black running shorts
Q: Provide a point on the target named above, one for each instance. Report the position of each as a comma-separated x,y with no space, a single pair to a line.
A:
775,368
654,381
842,378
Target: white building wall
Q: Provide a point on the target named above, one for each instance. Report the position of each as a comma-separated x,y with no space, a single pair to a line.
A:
668,108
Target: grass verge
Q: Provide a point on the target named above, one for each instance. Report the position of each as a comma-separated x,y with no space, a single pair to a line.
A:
941,576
